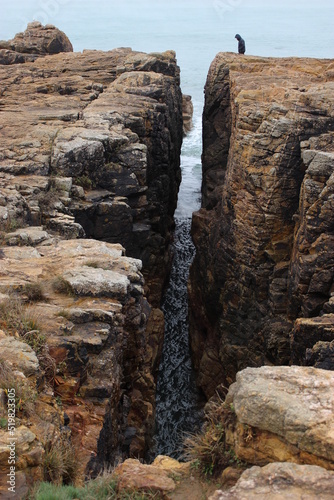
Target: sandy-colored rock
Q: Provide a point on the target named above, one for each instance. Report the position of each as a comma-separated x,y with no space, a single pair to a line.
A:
96,282
171,465
264,235
132,475
104,130
286,414
29,451
18,354
38,39
279,481
94,323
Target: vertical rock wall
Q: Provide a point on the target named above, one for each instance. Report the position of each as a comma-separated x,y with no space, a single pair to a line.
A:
90,150
263,237
110,124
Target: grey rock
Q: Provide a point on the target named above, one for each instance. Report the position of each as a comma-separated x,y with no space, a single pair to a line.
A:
97,282
295,403
19,354
281,481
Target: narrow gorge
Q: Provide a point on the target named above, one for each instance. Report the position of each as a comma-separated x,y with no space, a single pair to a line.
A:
113,346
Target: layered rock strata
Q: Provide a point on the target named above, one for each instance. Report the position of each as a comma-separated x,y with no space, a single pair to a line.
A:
89,171
283,414
91,319
95,142
281,481
36,41
263,271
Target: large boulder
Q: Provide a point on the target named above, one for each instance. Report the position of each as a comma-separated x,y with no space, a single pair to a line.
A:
39,39
279,481
283,414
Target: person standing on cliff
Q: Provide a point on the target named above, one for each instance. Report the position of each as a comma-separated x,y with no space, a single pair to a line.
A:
241,44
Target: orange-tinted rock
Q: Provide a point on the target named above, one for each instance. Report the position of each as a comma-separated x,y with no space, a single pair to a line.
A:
264,235
132,475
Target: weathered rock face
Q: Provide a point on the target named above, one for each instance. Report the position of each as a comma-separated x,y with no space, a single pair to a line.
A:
93,318
264,235
95,143
187,112
36,41
280,481
91,153
283,414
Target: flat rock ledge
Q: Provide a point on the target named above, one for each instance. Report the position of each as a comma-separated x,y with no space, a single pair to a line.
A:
283,414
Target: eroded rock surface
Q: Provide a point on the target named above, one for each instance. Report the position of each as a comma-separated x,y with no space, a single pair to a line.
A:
283,414
280,481
89,172
93,318
37,40
94,149
264,235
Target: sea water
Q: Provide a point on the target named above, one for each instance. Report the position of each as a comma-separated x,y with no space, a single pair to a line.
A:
197,30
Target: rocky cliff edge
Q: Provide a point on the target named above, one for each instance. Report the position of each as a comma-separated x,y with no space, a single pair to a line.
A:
89,174
262,281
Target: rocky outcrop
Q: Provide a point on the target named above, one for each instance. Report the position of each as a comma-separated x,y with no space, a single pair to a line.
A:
283,414
132,475
36,40
264,233
95,149
89,172
91,319
281,481
187,112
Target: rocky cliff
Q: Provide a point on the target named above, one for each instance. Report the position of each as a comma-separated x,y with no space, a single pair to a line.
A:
110,123
89,172
262,280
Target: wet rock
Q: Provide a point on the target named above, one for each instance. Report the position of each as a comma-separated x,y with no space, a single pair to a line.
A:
280,481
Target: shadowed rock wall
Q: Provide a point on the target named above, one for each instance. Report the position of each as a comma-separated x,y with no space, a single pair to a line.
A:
89,150
264,234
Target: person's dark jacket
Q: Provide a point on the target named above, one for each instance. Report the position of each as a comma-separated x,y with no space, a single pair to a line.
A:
241,44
